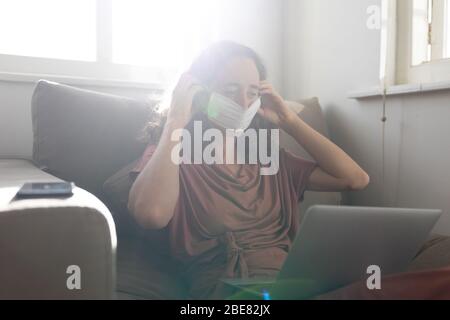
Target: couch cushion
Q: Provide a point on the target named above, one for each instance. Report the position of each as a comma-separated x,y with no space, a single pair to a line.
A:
85,136
434,254
309,111
145,274
116,191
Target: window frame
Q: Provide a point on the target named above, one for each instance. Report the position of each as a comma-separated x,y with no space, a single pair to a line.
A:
100,70
436,70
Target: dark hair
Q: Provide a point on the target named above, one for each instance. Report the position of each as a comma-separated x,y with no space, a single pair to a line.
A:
206,68
208,64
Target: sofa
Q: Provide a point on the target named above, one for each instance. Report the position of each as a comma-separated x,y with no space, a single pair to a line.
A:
92,139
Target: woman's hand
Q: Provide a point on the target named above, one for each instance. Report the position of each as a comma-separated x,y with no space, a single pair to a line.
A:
273,107
180,111
155,191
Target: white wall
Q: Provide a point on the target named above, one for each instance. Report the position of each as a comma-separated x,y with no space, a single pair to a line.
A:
330,52
15,120
256,23
259,25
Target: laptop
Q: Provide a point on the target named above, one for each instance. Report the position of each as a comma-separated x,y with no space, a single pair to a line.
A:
336,245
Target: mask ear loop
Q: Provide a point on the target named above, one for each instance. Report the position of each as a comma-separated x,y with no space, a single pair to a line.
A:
250,113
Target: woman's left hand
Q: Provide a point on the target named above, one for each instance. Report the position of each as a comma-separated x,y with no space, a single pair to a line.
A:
273,108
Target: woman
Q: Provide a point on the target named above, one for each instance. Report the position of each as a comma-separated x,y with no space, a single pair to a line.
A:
228,220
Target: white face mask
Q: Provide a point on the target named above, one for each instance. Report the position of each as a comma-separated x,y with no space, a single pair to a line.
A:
230,115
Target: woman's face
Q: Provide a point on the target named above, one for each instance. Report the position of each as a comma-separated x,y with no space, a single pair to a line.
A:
239,81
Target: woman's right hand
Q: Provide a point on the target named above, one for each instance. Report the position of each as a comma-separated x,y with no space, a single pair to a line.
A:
180,111
155,191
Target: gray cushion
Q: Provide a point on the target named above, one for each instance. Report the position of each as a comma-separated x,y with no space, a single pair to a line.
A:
145,274
434,254
85,136
310,111
116,191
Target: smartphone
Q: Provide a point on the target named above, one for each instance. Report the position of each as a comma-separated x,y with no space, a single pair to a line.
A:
45,190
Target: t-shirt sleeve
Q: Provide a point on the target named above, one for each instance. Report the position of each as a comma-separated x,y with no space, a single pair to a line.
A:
299,170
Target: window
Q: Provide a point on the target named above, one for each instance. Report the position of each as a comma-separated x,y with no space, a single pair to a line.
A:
127,40
423,41
48,28
430,31
165,33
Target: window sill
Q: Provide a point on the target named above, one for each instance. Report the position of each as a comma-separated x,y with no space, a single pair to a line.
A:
70,80
396,90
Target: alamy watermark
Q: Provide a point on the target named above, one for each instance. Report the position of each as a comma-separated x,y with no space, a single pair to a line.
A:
251,146
374,280
73,282
374,20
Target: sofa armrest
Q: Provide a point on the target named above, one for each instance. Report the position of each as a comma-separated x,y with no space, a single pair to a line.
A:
41,238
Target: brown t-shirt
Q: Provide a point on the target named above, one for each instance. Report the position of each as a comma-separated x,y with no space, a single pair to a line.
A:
228,226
